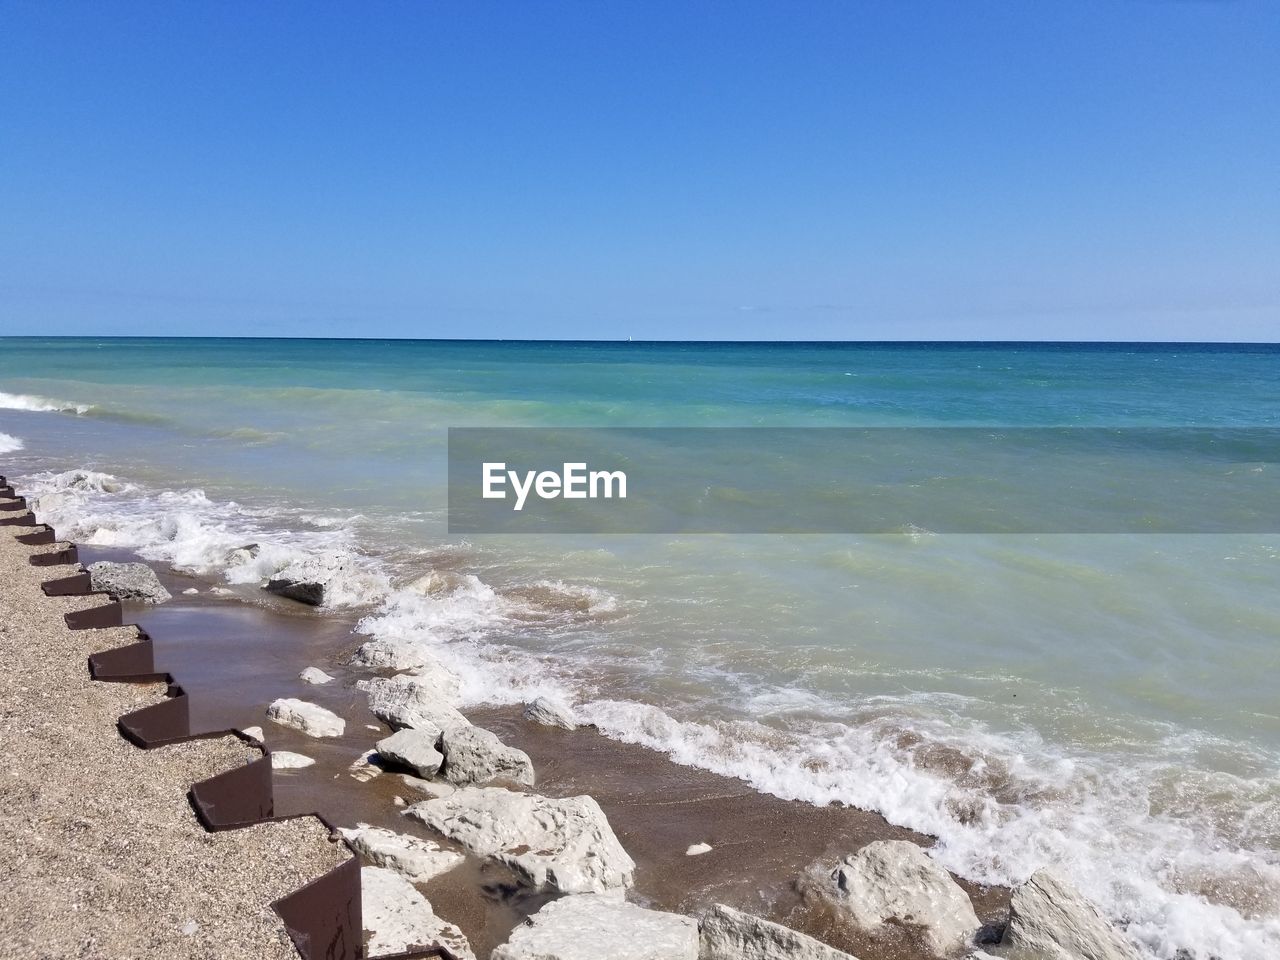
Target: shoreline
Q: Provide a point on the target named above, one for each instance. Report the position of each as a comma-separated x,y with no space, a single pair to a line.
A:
776,868
761,844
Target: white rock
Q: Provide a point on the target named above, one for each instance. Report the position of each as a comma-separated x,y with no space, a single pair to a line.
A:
191,591
308,580
255,732
1048,920
394,655
310,718
558,846
365,767
189,929
398,801
895,882
314,675
414,859
697,849
415,749
285,760
221,591
593,928
398,918
241,555
550,713
473,755
412,700
128,581
729,934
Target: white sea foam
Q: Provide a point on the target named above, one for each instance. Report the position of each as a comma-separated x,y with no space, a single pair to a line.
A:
10,444
197,535
23,401
1186,862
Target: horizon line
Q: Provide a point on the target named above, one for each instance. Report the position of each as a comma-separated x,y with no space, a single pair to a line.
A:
669,342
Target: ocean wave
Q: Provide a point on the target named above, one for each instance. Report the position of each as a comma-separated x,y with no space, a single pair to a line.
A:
23,401
1185,861
10,444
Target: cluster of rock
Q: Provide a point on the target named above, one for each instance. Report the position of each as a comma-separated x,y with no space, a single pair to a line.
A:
891,886
475,795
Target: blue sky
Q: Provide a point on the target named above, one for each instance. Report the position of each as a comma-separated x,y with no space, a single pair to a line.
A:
691,170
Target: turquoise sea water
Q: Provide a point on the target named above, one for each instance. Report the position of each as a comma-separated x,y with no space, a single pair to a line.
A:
1104,704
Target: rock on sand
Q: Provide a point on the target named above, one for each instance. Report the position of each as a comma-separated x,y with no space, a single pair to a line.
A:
414,859
728,934
894,884
286,760
1049,920
415,749
421,701
309,718
593,927
473,755
557,846
550,713
399,918
128,581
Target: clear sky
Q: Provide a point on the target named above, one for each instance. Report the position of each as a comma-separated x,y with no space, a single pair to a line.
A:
686,170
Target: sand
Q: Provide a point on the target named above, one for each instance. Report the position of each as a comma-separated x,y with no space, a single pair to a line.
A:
103,855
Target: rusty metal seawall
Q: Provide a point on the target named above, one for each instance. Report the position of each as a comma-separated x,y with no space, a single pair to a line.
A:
323,918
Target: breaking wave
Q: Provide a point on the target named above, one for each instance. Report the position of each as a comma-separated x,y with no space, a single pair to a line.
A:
23,401
9,444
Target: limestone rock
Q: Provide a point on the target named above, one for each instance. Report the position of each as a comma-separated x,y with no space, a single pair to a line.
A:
314,675
414,859
895,882
128,581
728,934
255,732
424,702
550,713
1049,920
415,749
304,580
310,718
394,655
242,555
285,760
592,927
557,846
473,755
399,919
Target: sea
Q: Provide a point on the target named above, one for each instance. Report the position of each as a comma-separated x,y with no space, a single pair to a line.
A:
1104,704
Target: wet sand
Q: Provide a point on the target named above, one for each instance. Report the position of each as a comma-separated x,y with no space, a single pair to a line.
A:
235,657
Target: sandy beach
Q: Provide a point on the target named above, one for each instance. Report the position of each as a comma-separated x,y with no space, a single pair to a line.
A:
105,857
